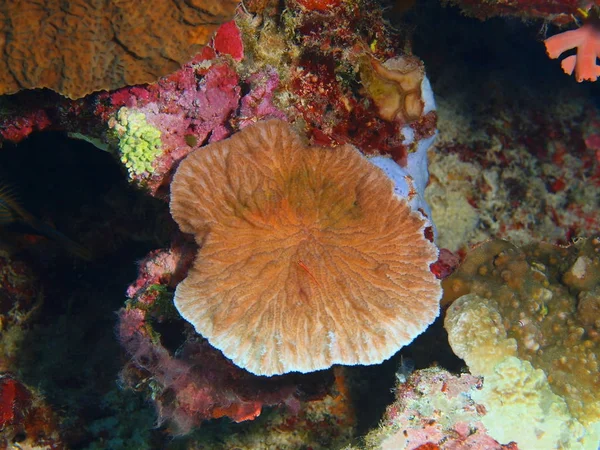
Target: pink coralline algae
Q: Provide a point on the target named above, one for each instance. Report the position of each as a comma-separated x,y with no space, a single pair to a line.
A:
161,267
228,41
189,117
196,106
197,383
258,103
15,129
434,410
185,110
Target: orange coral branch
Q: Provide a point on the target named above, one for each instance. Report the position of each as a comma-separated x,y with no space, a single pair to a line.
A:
586,40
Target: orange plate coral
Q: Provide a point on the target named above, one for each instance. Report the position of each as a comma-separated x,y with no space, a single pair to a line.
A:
307,257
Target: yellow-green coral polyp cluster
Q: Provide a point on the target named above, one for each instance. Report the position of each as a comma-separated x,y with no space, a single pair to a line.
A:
139,142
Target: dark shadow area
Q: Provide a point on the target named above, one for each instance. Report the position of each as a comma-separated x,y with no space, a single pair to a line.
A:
500,62
373,386
69,351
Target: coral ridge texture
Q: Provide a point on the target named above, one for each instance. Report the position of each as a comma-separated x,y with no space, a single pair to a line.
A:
307,257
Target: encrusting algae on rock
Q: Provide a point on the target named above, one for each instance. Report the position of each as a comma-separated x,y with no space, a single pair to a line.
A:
433,410
528,320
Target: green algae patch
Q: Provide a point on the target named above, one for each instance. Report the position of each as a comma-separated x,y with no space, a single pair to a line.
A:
139,142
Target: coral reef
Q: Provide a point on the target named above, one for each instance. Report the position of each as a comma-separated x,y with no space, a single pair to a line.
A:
434,410
285,67
517,157
77,47
258,67
238,79
526,319
305,220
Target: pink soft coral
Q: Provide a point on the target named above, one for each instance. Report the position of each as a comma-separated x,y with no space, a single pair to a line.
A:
587,41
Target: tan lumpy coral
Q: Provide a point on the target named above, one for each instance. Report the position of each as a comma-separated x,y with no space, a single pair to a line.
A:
521,406
544,299
307,257
395,87
76,47
477,333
